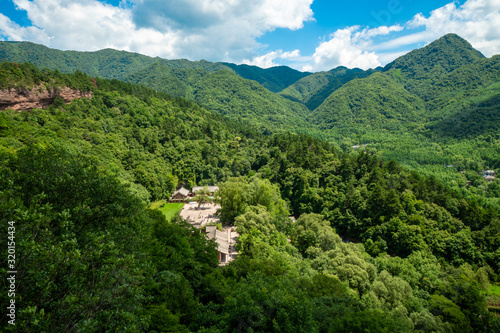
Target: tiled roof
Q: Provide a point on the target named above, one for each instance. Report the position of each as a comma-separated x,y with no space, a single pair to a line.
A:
182,191
220,238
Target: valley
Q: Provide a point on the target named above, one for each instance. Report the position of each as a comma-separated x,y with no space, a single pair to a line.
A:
361,199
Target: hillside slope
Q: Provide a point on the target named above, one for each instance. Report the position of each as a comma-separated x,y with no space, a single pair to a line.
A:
228,94
224,92
312,90
421,68
107,63
274,78
374,102
404,113
162,78
76,180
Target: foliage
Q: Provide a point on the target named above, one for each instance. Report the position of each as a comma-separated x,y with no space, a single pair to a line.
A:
438,105
228,94
236,194
79,235
202,196
376,246
274,78
314,89
143,136
377,100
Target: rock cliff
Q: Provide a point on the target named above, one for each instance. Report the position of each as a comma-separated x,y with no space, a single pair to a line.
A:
27,99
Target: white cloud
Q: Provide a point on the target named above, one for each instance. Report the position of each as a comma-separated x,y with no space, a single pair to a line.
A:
342,50
221,29
291,54
86,25
478,21
289,14
380,31
194,29
267,60
264,61
13,31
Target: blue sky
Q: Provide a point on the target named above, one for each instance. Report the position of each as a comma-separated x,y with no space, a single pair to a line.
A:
311,35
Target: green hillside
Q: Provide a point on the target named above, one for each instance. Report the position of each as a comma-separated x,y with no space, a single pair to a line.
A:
403,112
374,102
275,78
479,119
441,56
161,77
114,64
107,63
228,94
315,88
142,135
465,86
375,247
224,92
423,67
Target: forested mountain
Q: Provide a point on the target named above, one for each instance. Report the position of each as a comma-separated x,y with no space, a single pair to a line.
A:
315,88
107,63
442,74
161,77
226,93
274,78
404,111
431,108
471,121
223,92
436,59
378,101
375,247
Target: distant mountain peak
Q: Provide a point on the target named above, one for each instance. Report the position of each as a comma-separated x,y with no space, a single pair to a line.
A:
457,43
444,54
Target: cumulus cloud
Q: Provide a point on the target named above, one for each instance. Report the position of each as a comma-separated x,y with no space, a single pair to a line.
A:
221,29
86,25
343,49
194,29
258,15
264,61
13,31
291,54
478,21
267,60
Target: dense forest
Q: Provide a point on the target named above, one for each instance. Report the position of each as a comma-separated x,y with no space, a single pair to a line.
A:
434,110
376,247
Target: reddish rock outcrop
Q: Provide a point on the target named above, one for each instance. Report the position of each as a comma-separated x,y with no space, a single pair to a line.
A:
27,99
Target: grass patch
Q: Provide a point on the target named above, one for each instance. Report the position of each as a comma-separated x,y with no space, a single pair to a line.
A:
494,290
170,209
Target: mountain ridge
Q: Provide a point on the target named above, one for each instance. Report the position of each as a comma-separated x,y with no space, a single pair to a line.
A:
440,79
313,89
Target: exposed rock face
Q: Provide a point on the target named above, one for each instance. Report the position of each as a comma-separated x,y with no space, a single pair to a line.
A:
25,99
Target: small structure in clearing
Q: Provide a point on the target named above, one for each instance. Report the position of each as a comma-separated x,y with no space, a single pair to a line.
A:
180,195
